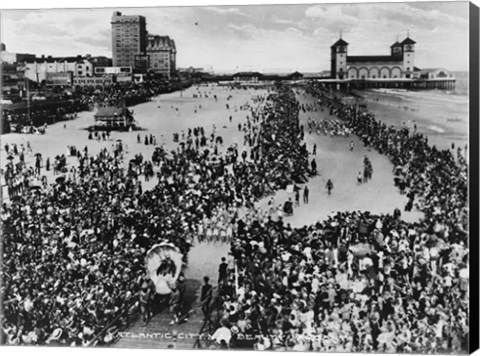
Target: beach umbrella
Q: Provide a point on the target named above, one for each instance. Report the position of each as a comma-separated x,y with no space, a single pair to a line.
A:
60,179
38,154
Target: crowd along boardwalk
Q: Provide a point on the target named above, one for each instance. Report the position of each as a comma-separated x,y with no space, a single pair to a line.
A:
336,162
219,109
203,260
179,111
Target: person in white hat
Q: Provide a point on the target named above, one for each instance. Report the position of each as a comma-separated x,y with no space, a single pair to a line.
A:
55,337
223,333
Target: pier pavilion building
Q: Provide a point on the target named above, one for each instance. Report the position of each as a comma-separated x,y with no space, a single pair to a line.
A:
399,64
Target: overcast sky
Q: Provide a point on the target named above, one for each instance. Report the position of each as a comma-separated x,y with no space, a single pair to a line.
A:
262,37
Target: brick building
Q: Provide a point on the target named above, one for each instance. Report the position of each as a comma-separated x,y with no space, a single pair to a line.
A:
129,35
162,54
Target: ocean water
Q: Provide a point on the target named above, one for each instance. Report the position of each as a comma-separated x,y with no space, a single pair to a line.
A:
442,115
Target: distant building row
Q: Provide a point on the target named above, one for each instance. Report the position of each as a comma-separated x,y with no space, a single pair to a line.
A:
61,71
74,71
39,68
133,46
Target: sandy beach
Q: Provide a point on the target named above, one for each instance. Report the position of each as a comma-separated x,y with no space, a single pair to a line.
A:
336,162
284,178
158,117
161,118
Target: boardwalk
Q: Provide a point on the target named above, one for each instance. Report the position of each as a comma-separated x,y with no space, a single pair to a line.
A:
336,162
158,333
203,260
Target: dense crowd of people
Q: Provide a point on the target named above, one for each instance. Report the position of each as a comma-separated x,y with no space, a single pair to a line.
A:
284,157
354,283
359,282
74,250
328,127
39,116
433,176
131,93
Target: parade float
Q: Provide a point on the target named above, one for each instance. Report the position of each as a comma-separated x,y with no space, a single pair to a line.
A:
164,264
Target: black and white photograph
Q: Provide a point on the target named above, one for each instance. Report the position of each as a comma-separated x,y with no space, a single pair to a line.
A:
263,177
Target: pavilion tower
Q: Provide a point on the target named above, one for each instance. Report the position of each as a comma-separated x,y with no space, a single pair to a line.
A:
408,48
338,68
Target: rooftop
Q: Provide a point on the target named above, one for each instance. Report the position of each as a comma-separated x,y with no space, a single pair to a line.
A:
408,40
155,41
248,74
295,74
69,59
340,42
432,70
374,59
110,111
117,16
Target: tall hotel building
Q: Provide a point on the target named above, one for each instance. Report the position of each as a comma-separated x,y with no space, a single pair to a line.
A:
129,39
162,54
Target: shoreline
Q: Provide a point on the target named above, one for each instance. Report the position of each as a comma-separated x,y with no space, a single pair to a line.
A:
442,117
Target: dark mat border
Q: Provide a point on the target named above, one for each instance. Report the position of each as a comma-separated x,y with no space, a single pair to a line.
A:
473,177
